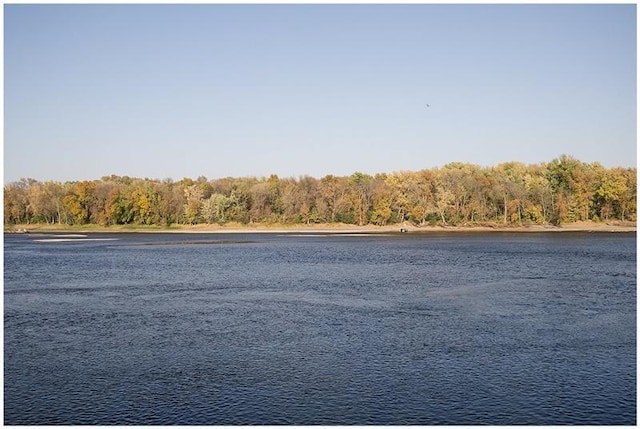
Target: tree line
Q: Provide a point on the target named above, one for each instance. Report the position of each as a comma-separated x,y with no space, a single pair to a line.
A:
561,191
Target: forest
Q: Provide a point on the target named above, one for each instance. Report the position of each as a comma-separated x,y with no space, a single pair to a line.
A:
561,191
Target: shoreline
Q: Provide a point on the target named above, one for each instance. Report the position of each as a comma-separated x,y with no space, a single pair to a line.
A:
321,228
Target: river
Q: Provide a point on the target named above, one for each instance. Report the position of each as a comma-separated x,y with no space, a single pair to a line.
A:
301,329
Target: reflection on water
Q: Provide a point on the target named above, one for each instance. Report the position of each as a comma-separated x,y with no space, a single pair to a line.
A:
326,329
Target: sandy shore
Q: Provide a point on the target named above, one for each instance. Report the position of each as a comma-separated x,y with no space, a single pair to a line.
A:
327,228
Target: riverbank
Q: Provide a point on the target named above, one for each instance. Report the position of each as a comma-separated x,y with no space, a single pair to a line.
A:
323,228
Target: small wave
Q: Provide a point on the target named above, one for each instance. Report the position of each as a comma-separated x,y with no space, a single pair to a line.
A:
303,235
194,242
67,240
357,234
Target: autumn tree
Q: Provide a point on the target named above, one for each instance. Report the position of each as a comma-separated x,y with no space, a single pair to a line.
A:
612,187
563,190
331,198
16,202
78,202
193,205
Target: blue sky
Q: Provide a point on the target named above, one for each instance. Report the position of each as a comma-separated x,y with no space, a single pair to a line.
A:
173,91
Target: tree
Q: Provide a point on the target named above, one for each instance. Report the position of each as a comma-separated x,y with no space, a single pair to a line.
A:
143,199
78,202
443,201
330,198
214,209
511,185
118,207
239,201
381,211
192,208
563,190
359,188
539,195
560,175
421,195
628,203
609,193
292,200
16,202
397,189
44,201
261,208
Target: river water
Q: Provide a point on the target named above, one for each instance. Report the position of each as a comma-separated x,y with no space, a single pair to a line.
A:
219,329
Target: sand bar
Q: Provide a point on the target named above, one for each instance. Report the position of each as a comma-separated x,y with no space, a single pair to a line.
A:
325,228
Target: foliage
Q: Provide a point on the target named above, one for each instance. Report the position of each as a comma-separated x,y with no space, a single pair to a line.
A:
563,190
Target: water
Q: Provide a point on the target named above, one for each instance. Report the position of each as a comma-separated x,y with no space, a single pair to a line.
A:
288,329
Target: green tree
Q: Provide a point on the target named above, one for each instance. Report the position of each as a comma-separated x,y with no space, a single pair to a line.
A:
560,175
118,207
239,202
359,188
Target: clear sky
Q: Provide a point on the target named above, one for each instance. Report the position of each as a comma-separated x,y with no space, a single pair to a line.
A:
173,91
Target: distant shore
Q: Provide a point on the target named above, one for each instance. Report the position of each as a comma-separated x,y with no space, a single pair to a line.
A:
323,228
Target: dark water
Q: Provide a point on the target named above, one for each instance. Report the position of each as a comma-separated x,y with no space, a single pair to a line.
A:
243,329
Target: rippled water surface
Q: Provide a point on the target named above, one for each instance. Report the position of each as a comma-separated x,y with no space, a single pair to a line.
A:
281,329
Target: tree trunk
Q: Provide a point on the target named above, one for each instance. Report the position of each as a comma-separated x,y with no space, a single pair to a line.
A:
505,208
